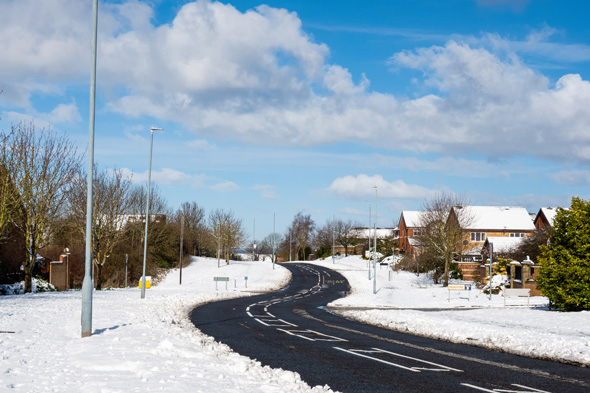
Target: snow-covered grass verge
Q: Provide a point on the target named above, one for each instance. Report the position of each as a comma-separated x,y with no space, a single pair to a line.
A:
410,303
138,345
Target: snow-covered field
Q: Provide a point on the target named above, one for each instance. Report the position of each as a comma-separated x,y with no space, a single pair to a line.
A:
138,345
407,302
146,345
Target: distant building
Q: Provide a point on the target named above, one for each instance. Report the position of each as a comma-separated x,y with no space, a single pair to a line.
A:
409,228
545,217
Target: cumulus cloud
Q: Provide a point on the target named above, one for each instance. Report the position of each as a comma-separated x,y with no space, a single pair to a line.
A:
363,187
167,176
572,178
202,144
64,113
226,186
256,76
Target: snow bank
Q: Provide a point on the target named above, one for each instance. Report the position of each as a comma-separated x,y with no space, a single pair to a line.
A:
410,303
138,345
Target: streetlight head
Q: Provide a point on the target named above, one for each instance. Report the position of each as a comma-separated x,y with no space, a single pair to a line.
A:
156,129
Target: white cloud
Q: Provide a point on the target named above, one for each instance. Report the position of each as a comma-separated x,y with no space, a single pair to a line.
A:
168,176
266,191
363,187
256,76
572,178
202,144
64,113
226,186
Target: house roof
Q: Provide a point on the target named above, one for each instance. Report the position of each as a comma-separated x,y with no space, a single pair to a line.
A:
382,233
412,218
503,244
548,212
508,218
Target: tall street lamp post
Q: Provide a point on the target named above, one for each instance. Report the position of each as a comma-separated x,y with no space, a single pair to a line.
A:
87,285
147,211
274,216
369,232
375,259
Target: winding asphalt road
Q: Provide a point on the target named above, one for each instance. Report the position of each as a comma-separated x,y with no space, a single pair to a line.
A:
293,330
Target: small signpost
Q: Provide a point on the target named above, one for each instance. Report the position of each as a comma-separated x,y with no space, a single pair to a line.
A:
217,279
517,292
459,287
245,281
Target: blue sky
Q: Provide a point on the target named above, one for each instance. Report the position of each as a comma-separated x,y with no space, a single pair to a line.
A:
306,105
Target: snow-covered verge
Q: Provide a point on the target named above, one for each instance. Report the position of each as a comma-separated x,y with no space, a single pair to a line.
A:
410,303
138,345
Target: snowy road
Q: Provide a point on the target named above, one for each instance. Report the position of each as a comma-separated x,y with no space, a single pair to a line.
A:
291,330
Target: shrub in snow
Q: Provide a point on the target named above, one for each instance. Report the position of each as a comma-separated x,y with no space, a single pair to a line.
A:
564,276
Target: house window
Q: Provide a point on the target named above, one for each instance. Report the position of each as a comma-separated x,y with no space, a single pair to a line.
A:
516,234
417,232
478,236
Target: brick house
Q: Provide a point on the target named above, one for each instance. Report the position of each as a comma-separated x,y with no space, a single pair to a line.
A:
483,222
409,227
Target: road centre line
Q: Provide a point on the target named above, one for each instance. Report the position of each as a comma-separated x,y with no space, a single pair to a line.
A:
537,373
377,359
418,360
297,335
529,389
322,336
478,388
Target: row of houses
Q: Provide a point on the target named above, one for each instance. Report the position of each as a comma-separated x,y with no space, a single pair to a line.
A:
504,227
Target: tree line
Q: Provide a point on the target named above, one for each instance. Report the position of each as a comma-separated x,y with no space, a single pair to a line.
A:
43,213
43,187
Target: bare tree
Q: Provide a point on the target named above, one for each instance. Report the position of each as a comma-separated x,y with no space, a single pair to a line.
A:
228,230
40,164
194,225
112,207
441,231
325,237
345,234
301,232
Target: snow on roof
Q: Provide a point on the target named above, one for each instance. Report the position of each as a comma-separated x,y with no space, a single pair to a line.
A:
412,218
549,213
382,233
509,218
504,244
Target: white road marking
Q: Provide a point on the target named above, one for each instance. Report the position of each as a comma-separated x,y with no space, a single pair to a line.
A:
530,389
377,360
418,360
315,336
478,388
